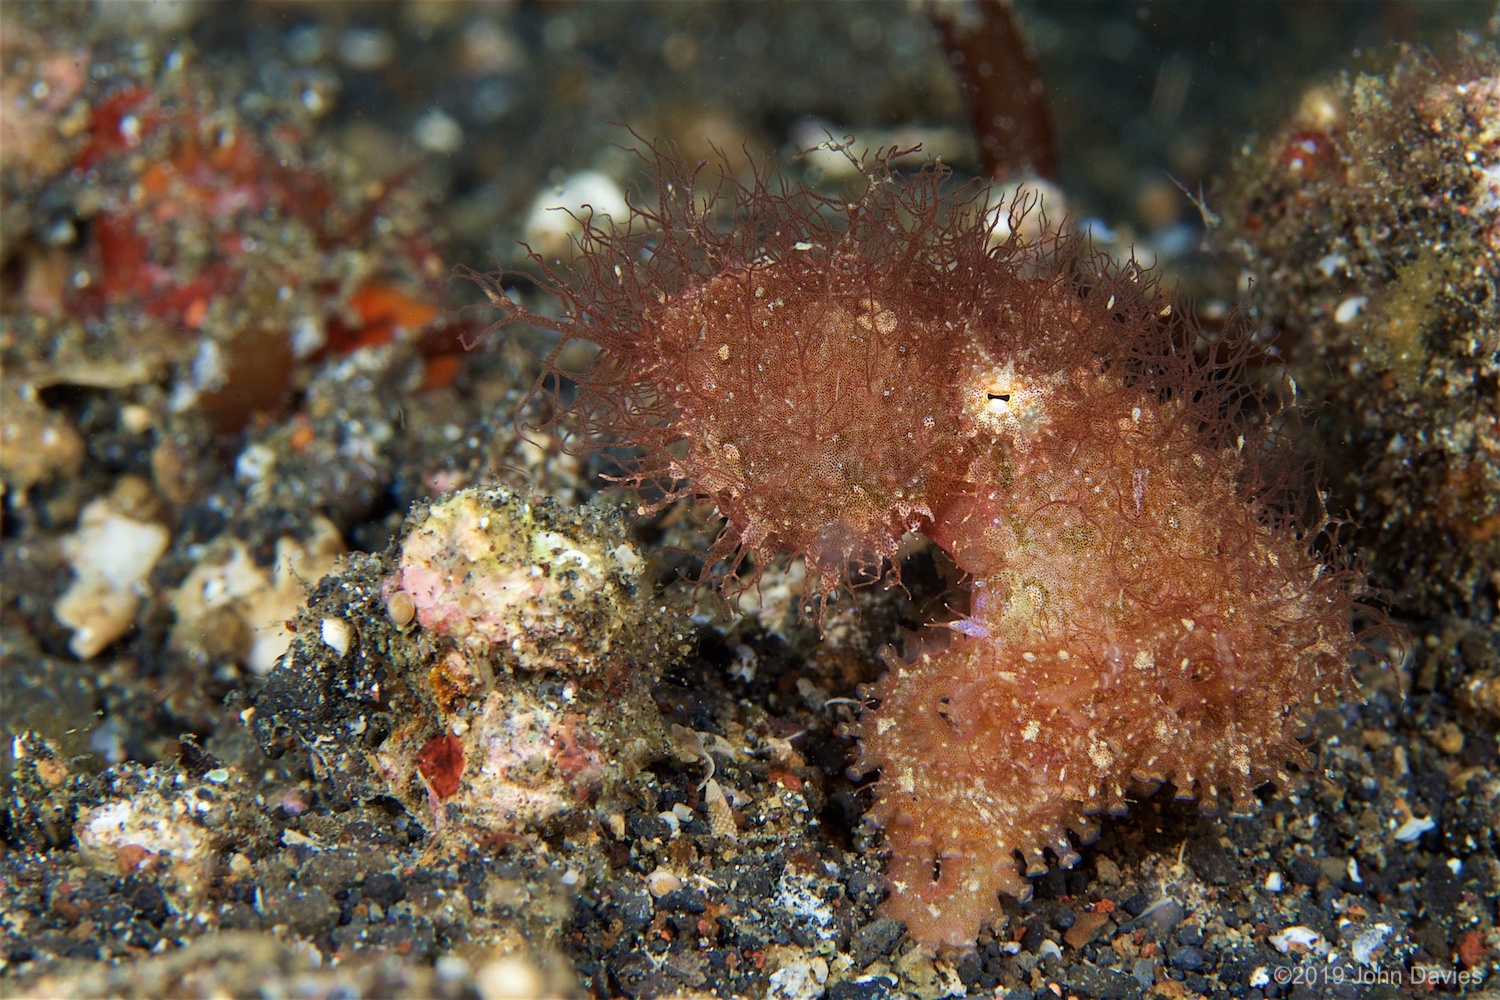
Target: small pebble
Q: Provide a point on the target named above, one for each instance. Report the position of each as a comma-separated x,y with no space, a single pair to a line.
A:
510,978
1448,738
136,419
1189,958
1162,916
437,132
683,901
366,48
1305,872
384,889
557,215
1085,928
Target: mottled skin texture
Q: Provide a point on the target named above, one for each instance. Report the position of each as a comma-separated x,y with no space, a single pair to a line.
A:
832,376
797,369
1138,620
779,455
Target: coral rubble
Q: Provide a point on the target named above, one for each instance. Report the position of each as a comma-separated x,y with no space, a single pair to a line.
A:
1370,226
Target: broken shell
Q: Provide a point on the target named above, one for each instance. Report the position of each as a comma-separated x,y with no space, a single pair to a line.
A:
401,608
661,882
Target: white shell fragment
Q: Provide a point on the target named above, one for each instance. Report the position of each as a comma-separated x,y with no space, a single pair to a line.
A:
660,882
228,592
112,555
1348,309
1414,828
1299,939
1367,946
337,635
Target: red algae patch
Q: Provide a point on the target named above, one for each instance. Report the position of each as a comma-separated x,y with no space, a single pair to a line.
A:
517,763
441,762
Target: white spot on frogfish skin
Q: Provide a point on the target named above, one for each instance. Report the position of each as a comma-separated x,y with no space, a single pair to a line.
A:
1101,755
969,627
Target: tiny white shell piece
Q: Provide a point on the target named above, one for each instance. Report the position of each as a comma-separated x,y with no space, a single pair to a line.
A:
1298,937
337,635
661,882
1348,309
1414,828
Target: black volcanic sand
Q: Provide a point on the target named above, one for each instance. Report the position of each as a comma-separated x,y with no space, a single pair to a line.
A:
179,823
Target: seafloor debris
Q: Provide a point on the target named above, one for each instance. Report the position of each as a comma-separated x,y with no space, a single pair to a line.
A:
1369,229
229,608
516,582
112,554
514,696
